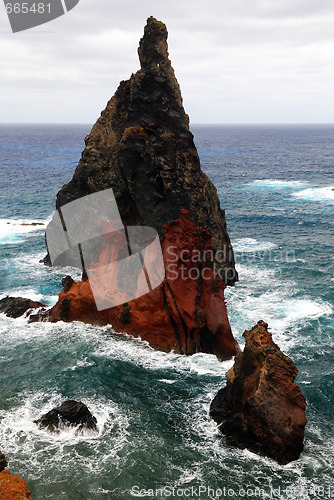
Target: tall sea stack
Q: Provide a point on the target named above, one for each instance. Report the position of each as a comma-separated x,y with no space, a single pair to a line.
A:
142,148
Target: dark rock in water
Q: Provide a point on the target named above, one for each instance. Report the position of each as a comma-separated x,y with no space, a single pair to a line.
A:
68,414
3,462
142,148
14,307
26,223
33,224
41,316
46,260
261,408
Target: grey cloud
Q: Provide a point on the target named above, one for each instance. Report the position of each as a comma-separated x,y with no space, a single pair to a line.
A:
222,50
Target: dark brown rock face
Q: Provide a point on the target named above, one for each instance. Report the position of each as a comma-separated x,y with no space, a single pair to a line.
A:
3,462
261,408
142,148
14,307
70,413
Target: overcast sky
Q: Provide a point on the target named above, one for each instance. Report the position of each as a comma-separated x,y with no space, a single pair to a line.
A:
237,61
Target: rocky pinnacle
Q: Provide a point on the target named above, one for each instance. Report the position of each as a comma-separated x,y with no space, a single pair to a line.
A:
142,148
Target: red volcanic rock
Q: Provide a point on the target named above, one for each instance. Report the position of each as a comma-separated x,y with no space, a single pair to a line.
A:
261,408
185,313
13,487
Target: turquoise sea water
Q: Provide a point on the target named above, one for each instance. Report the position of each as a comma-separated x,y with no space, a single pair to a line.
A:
276,184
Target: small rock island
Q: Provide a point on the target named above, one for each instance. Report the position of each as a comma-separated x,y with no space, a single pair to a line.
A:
261,408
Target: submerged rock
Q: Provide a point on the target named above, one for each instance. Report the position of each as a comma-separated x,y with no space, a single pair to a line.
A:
13,487
14,307
261,408
68,414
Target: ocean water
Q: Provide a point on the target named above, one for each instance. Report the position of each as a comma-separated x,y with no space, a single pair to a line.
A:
276,184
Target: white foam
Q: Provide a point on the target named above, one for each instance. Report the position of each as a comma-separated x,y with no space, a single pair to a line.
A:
15,230
278,307
142,354
34,272
262,294
253,276
81,364
294,310
252,245
305,191
104,342
277,184
26,294
20,436
30,264
323,194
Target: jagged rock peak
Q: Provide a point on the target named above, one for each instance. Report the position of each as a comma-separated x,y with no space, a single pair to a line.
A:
156,65
142,148
153,48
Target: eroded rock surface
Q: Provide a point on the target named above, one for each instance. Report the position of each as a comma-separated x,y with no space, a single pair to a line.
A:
13,487
186,313
261,408
14,307
142,148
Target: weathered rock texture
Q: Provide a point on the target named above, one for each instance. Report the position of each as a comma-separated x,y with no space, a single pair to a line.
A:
14,307
68,414
13,487
186,313
142,148
261,408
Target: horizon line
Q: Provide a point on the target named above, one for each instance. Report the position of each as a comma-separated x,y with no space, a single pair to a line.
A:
212,124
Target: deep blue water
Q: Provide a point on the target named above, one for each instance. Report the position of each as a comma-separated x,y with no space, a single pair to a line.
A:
275,183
